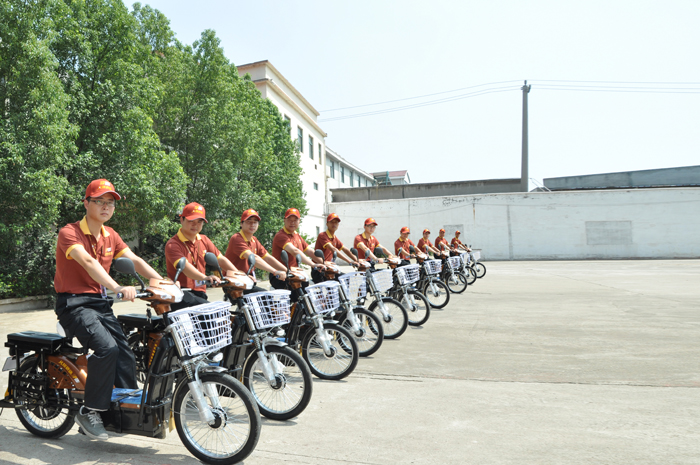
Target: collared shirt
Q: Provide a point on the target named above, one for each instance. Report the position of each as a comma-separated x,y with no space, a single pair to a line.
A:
70,276
455,242
370,242
179,246
423,243
322,242
441,240
284,237
239,247
403,244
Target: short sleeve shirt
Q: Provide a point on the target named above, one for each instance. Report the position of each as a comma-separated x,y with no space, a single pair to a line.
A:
455,242
70,276
422,245
441,240
399,244
239,247
370,242
179,246
322,242
284,237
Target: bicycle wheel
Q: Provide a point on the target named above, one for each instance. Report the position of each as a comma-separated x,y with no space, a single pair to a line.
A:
291,392
457,282
39,416
480,269
395,321
236,429
470,274
371,334
417,307
343,356
437,293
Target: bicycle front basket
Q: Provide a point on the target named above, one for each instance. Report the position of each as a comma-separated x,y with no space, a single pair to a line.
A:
202,328
455,262
269,309
324,296
433,266
408,274
383,280
354,284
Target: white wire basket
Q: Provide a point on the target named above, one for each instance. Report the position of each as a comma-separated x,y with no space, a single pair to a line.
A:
455,262
325,296
465,257
433,266
476,255
354,284
383,280
203,328
408,274
269,309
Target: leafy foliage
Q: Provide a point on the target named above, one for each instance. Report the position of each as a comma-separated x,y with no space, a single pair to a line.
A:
91,90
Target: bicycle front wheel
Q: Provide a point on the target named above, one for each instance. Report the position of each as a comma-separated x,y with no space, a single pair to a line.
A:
236,428
457,282
393,316
470,274
437,293
417,307
290,393
370,336
342,357
479,269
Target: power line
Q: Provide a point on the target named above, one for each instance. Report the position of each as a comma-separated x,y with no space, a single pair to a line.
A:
423,104
419,96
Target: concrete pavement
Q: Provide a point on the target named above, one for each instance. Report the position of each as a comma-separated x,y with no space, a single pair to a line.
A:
583,362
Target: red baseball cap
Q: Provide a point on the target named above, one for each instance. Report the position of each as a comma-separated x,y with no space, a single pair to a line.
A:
331,217
405,230
292,212
193,211
457,232
100,187
442,230
249,214
426,231
369,221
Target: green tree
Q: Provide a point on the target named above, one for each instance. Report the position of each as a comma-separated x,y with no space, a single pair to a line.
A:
233,144
113,101
36,138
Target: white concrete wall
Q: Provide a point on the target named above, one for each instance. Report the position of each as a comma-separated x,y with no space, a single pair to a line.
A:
614,224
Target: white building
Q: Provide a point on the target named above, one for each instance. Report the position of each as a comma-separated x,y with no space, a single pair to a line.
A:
341,174
302,117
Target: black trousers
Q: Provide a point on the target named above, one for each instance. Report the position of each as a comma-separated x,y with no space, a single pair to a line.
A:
279,284
89,318
190,299
317,276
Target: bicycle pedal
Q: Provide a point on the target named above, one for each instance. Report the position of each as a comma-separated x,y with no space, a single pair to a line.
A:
80,430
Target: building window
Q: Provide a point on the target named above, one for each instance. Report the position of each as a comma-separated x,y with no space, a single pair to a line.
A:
352,177
311,147
359,182
289,121
342,174
315,186
300,138
332,168
320,153
318,231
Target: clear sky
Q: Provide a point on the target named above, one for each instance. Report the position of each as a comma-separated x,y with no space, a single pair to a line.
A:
347,54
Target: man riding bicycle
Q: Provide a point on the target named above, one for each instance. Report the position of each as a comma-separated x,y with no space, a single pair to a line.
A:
402,246
366,243
424,244
84,254
189,243
244,243
328,242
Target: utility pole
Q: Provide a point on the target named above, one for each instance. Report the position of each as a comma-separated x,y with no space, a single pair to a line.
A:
524,177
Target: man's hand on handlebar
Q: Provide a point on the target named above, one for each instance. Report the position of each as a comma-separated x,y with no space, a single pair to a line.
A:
127,292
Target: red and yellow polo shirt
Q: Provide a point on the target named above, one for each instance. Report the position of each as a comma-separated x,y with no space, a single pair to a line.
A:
70,276
284,237
370,242
422,245
239,247
403,244
322,242
179,246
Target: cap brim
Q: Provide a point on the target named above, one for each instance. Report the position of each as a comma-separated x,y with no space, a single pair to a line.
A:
119,197
195,217
251,216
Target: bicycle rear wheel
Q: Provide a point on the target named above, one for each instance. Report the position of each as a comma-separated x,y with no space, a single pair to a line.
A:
437,293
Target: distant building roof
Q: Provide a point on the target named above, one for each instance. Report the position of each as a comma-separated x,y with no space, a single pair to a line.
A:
682,176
